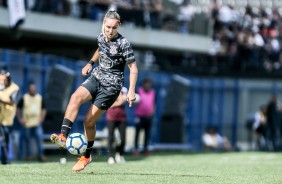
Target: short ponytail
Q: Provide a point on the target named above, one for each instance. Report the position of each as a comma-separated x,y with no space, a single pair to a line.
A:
111,14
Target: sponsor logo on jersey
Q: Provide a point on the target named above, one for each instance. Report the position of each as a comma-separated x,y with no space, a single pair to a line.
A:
113,49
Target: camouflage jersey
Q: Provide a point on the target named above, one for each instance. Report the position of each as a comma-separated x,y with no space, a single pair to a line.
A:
113,57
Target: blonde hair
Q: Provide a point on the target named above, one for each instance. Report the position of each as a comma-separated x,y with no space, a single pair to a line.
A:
111,14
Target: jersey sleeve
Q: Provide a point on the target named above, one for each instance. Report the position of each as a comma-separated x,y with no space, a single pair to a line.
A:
99,37
127,52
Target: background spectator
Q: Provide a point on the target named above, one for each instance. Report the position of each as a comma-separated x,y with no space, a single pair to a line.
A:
31,113
273,122
8,96
144,112
214,142
116,118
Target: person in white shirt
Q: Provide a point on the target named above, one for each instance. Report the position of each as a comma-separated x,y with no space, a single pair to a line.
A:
213,141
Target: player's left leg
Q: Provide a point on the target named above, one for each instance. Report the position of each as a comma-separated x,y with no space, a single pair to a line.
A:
93,114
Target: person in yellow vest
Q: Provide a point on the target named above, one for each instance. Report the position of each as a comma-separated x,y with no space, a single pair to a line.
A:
8,96
31,113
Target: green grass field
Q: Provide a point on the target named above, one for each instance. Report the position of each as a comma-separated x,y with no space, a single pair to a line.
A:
160,168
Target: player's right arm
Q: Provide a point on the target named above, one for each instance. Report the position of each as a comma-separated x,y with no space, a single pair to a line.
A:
88,67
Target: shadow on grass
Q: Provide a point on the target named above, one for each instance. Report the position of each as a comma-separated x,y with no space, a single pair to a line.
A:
102,156
145,174
97,157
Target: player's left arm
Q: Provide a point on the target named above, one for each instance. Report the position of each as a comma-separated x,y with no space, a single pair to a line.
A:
133,75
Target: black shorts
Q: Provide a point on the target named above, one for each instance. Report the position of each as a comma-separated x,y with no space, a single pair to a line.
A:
101,98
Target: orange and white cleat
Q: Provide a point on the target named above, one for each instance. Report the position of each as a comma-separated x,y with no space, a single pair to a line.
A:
59,139
81,163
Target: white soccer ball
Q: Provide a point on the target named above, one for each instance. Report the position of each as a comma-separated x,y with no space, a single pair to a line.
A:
76,143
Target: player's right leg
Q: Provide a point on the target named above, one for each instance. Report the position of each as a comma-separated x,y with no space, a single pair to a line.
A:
59,139
80,96
93,114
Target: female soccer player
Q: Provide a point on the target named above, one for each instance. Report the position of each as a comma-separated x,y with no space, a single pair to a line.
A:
103,86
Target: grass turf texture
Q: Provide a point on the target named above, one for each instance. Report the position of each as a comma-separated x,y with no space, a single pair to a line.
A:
160,168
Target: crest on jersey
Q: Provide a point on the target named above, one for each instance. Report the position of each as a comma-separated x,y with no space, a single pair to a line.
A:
113,49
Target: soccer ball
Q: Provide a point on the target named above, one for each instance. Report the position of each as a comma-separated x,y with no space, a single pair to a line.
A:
76,143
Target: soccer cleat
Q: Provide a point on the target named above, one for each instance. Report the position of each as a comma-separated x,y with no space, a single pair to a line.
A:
122,159
111,160
81,163
119,158
59,139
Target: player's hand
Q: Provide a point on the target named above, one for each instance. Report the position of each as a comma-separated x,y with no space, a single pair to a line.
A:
87,69
130,98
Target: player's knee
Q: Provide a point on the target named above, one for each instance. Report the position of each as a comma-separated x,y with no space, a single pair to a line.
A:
76,98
